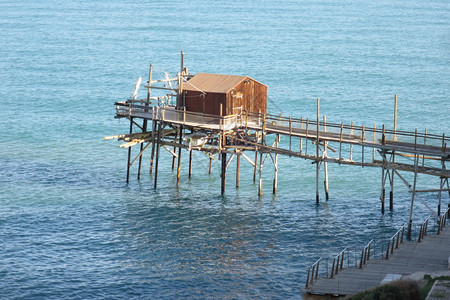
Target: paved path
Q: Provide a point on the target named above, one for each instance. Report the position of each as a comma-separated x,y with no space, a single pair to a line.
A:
430,255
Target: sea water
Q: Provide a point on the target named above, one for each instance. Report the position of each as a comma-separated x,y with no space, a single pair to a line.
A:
70,227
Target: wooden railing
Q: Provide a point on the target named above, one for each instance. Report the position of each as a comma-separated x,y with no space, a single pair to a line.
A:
369,136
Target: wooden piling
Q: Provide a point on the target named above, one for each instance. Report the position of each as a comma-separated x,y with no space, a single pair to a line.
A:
256,157
325,164
179,156
129,152
416,162
260,175
190,160
275,179
238,165
224,172
391,177
301,139
158,144
210,163
317,150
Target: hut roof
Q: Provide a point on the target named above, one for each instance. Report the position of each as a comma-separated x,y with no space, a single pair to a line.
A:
213,83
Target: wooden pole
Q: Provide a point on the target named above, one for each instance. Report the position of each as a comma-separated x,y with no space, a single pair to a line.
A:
210,163
154,126
224,172
325,164
190,163
238,164
391,193
179,156
382,197
158,144
317,150
256,157
416,162
395,117
144,124
351,145
190,159
301,139
129,151
260,175
174,151
275,179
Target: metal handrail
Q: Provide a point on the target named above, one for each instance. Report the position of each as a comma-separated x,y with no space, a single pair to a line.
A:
338,263
365,254
442,221
395,240
313,273
423,229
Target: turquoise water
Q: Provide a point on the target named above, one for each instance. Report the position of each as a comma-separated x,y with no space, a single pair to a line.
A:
70,227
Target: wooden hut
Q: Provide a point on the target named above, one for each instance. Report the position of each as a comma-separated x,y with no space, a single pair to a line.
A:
206,93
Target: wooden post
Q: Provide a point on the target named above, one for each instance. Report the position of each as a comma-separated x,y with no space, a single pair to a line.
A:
340,142
290,133
382,197
317,150
351,145
179,156
301,140
129,151
190,159
210,163
325,164
238,165
275,179
362,150
416,162
374,140
224,172
153,144
395,117
256,156
306,140
158,144
190,163
260,175
391,193
144,124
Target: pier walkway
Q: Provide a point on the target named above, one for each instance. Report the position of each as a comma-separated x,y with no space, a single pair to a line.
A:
429,256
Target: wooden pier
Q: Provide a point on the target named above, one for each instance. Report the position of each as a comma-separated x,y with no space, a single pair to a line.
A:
429,254
171,122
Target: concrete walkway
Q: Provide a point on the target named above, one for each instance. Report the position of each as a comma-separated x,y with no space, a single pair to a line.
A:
431,255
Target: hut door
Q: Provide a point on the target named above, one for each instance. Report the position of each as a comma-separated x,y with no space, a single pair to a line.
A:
237,104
